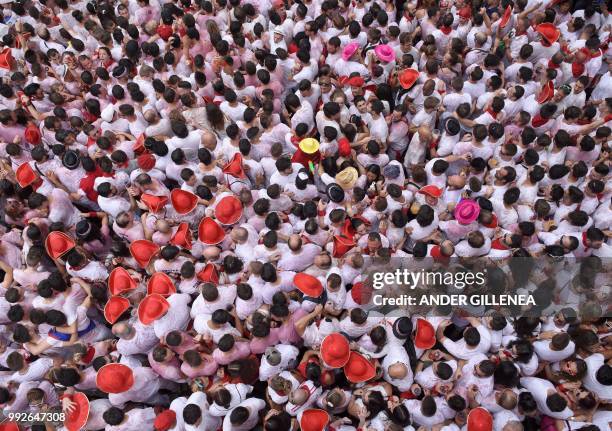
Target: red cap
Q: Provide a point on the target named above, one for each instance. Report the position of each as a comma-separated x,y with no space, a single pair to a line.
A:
209,231
344,147
120,281
408,77
32,134
314,420
358,369
505,19
165,420
146,161
335,350
355,81
209,274
182,237
361,293
164,31
546,93
465,12
425,336
161,284
183,201
58,244
234,167
479,419
25,175
431,190
77,418
228,210
115,307
114,378
6,58
142,251
151,308
549,32
308,285
154,203
342,245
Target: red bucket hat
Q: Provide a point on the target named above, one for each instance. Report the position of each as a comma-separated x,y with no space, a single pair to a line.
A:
549,32
408,77
314,420
431,190
58,244
209,231
160,284
154,203
32,134
342,245
151,308
182,237
114,378
77,419
120,281
183,201
425,336
115,307
209,274
335,350
308,285
146,161
358,369
6,58
165,420
546,93
142,251
361,293
234,167
228,210
479,419
25,175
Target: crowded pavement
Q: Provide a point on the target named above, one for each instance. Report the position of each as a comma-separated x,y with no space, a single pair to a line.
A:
193,195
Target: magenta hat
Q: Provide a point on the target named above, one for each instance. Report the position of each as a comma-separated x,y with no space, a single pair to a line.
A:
349,50
467,211
385,53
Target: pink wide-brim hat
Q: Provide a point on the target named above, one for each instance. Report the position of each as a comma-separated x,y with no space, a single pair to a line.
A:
349,50
467,211
385,53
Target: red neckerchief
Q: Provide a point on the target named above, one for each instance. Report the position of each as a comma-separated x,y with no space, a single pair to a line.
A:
498,245
552,65
446,30
577,69
90,141
584,239
493,223
295,140
539,121
437,255
89,117
596,55
492,113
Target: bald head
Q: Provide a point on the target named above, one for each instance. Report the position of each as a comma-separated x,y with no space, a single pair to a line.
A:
239,235
211,253
151,116
398,371
295,242
299,396
209,141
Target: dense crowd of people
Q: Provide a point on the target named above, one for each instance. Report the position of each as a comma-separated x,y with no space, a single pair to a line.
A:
192,193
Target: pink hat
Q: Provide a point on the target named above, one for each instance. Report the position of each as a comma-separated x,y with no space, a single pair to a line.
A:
349,50
467,211
385,53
